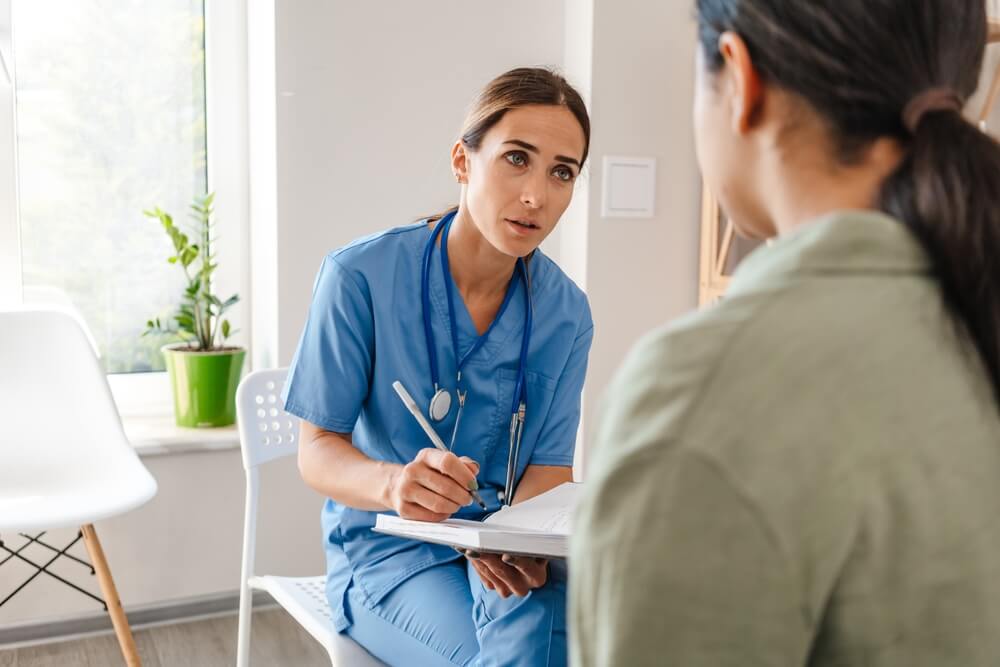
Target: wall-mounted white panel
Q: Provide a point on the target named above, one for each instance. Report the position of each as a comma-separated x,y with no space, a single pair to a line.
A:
629,187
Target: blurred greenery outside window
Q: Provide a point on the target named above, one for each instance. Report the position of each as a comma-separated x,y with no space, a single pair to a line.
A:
110,121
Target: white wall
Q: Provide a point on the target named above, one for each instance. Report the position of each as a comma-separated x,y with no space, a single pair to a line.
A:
637,273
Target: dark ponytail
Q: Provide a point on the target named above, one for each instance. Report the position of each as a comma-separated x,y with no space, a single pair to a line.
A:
947,191
860,64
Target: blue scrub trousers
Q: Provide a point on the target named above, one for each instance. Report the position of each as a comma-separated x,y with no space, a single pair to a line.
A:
445,616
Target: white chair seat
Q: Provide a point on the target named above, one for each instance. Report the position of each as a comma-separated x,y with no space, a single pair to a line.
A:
305,599
41,496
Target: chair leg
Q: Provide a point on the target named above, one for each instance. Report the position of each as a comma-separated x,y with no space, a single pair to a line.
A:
118,618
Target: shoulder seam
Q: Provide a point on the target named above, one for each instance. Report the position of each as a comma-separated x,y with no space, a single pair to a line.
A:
348,273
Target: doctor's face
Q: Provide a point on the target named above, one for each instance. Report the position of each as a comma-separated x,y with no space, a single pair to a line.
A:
520,180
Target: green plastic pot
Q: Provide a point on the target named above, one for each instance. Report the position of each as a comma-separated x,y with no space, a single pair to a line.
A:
204,384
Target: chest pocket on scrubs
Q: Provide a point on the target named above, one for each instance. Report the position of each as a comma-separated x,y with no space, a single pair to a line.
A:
540,390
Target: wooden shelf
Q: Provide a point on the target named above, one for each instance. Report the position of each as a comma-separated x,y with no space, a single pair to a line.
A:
994,31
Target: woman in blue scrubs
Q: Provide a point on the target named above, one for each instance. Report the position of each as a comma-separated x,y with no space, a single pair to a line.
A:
445,301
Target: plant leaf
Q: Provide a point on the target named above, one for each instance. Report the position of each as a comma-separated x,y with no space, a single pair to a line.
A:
189,255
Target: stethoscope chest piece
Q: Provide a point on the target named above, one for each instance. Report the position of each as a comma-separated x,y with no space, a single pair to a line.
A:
440,405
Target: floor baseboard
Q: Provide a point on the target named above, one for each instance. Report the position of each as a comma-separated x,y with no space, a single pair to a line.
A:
31,633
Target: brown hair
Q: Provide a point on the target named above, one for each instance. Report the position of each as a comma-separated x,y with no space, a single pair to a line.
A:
860,64
520,87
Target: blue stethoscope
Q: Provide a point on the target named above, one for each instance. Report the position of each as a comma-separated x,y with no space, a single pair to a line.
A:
440,404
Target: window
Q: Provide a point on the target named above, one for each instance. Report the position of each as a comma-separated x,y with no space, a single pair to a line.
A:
110,121
120,106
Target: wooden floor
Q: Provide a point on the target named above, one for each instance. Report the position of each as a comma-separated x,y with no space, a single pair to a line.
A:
276,640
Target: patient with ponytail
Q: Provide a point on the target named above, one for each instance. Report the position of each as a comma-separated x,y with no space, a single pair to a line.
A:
808,472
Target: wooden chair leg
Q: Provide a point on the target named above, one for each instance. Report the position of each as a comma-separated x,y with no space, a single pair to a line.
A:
110,593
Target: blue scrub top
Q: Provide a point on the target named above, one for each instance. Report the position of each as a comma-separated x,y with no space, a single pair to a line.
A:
365,330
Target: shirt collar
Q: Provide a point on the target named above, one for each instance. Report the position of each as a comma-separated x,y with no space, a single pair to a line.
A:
842,242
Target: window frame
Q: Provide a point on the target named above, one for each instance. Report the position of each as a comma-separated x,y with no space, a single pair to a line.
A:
10,241
148,394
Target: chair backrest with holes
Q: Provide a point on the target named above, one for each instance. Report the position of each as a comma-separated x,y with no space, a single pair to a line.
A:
267,432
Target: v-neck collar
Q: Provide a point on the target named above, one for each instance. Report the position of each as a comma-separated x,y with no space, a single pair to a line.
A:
510,323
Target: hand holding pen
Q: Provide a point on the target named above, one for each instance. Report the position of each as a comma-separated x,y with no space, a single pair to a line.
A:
436,483
432,486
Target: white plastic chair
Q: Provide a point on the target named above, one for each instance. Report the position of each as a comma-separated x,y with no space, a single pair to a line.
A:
268,433
64,458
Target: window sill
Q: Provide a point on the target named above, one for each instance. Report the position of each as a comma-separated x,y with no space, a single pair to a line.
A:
157,435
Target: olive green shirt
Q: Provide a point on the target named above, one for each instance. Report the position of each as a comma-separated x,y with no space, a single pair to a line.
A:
807,473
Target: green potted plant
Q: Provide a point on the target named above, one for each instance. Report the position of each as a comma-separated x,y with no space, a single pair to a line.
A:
204,371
